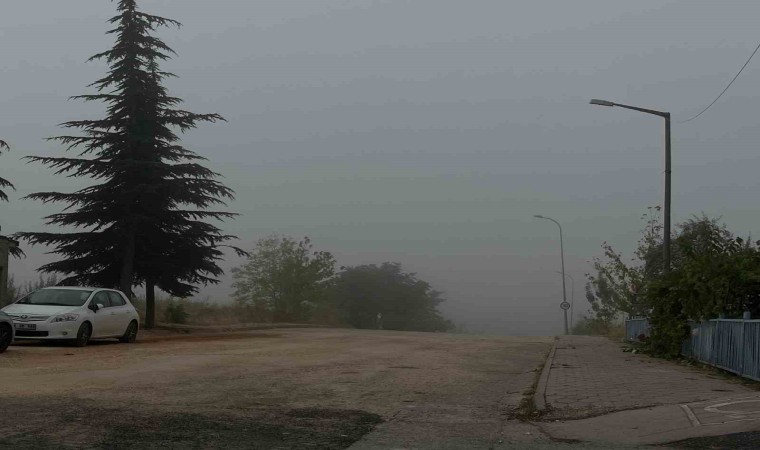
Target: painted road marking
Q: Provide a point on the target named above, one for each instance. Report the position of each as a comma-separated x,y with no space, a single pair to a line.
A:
718,412
717,408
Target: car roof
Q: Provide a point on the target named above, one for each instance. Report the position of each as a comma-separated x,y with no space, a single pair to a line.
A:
75,288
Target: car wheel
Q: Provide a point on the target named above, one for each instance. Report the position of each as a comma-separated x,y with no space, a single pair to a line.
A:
83,335
130,335
6,336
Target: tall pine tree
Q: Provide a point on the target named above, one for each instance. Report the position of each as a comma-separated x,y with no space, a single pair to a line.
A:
4,184
144,223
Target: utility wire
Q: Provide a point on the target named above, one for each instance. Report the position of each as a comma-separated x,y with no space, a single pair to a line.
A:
724,90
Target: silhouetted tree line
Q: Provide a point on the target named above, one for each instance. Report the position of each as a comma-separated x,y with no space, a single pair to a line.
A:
286,280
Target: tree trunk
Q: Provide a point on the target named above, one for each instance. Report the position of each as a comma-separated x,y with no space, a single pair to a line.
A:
150,305
127,266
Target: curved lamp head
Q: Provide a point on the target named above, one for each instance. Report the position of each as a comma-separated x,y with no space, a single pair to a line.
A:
596,101
538,216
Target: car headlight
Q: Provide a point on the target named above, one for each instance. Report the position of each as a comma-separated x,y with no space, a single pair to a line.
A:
66,318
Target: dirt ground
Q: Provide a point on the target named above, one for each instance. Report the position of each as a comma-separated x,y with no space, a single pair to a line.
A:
310,388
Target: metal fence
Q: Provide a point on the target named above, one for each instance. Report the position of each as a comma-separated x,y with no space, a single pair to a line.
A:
730,344
635,328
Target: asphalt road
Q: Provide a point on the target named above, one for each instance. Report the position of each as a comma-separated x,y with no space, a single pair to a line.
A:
311,388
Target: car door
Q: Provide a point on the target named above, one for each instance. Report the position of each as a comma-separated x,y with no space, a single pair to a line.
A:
103,321
120,311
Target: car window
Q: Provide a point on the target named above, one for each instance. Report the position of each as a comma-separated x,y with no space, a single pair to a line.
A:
116,299
56,297
102,298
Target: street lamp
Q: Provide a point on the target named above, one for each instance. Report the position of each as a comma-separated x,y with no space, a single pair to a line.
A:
562,258
668,172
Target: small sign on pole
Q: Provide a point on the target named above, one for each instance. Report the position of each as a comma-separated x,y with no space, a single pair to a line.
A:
564,305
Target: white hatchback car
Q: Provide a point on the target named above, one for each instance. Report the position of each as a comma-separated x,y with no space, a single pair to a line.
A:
6,331
76,314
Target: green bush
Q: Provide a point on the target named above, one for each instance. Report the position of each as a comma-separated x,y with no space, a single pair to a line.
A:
175,312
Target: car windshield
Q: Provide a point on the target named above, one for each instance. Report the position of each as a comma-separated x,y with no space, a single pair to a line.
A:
56,297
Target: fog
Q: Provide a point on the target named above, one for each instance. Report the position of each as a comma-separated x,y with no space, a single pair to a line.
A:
427,132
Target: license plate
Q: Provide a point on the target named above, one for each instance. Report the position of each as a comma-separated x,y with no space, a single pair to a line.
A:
26,326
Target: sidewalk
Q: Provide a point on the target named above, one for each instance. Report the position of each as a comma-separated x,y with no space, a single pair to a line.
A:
633,398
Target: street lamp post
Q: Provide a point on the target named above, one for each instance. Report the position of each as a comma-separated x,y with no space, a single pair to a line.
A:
562,258
572,298
666,212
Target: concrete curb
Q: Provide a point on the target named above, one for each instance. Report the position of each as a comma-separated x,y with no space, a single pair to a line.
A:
539,397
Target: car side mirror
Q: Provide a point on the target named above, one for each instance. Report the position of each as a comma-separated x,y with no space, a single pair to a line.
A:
95,307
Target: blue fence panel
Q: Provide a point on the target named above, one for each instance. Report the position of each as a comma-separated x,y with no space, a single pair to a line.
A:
634,328
751,355
729,345
732,345
702,341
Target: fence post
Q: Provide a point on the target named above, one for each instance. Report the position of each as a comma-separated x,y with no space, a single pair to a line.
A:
715,344
742,344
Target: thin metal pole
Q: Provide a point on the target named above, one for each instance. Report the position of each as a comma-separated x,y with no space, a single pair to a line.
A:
562,257
668,172
572,298
572,301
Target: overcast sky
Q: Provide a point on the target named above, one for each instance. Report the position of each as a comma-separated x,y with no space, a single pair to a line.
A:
426,132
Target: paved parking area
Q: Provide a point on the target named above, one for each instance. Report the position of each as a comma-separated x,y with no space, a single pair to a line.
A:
296,388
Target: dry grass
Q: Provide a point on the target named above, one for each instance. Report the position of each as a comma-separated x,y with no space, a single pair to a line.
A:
210,313
595,327
617,332
206,312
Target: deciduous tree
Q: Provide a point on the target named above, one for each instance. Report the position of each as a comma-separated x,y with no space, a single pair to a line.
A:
714,273
403,301
288,279
617,286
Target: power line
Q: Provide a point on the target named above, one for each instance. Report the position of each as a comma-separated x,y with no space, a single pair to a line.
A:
724,90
